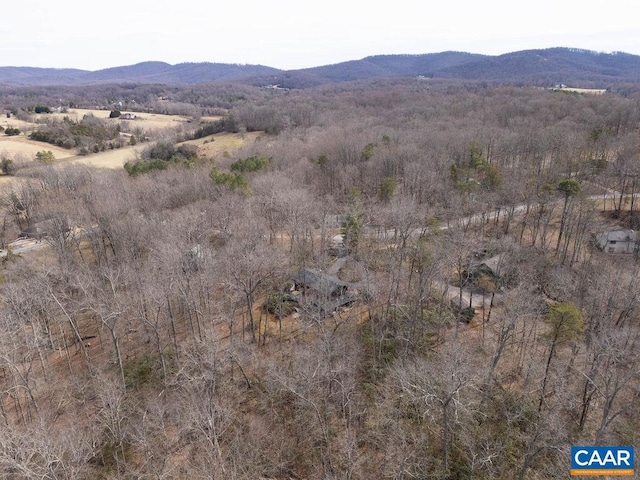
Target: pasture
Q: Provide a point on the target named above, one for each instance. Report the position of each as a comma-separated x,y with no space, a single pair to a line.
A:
216,145
110,158
15,123
589,91
144,121
22,148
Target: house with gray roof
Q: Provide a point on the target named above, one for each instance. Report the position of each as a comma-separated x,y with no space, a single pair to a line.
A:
322,292
319,283
617,241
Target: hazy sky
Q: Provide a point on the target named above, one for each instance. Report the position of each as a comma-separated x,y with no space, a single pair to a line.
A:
291,34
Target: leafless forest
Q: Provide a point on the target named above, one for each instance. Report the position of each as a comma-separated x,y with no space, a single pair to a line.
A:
157,330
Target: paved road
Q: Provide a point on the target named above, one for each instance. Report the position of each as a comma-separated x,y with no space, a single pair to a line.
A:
486,217
26,245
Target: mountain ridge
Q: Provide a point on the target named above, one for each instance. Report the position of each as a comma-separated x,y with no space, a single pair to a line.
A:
558,64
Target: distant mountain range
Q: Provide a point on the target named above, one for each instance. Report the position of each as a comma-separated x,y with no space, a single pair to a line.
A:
540,67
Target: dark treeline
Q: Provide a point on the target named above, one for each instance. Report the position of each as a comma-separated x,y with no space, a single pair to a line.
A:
135,344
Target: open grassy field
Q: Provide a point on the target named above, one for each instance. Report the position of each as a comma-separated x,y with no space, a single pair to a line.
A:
14,123
146,121
108,159
590,91
215,145
21,146
209,147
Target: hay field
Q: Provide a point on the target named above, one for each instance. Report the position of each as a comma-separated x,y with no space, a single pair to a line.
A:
146,121
112,159
21,146
216,145
208,147
211,119
15,123
589,91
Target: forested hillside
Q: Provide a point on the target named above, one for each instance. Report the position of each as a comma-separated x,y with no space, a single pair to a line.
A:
543,67
396,279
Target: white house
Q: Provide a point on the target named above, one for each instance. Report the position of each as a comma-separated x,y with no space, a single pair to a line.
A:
617,241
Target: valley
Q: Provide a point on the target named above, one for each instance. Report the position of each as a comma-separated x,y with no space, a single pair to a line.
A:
382,278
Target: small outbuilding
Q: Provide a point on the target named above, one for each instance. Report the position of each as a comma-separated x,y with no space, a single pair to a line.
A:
36,232
43,229
617,241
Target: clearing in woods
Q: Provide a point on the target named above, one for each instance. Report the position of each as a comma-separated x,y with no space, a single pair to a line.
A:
146,121
22,147
215,145
208,147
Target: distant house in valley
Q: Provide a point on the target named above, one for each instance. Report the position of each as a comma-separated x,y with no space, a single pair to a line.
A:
36,232
43,229
617,241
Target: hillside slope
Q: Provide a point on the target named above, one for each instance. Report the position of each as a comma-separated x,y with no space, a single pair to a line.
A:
541,67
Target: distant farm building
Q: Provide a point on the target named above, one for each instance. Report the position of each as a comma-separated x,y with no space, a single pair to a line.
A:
43,229
36,232
617,241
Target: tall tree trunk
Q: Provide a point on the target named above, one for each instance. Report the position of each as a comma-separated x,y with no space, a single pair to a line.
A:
546,372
